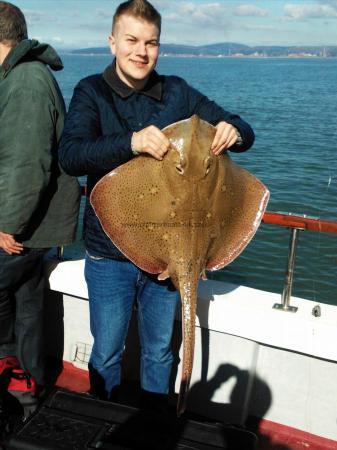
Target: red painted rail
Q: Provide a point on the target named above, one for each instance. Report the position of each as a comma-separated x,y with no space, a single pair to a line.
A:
300,222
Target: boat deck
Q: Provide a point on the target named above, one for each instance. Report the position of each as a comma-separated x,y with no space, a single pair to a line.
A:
272,436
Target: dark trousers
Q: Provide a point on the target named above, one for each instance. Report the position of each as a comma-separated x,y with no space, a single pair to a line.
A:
21,309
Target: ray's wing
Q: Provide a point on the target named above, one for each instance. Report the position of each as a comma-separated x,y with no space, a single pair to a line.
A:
239,204
132,203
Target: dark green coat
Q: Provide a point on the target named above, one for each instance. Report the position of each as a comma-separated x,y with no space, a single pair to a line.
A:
38,201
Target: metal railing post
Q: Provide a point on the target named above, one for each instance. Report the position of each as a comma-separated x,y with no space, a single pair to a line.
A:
288,284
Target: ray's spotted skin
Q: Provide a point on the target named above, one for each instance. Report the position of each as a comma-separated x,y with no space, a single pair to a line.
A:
177,217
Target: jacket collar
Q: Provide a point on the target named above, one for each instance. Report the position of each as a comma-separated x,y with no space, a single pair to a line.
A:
153,87
31,50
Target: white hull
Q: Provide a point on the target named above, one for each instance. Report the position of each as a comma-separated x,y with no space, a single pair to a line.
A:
275,365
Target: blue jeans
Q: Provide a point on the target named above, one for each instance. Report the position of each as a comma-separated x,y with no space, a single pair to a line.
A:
114,287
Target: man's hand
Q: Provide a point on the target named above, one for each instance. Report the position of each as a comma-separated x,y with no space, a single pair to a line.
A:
152,141
9,244
225,137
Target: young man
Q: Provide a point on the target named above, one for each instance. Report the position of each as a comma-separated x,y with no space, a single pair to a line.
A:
38,202
114,117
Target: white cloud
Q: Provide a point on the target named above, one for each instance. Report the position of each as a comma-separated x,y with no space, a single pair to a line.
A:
57,40
309,11
103,14
160,4
331,3
250,11
33,16
259,27
207,14
93,27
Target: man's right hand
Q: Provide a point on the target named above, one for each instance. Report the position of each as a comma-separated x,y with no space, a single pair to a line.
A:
152,141
9,244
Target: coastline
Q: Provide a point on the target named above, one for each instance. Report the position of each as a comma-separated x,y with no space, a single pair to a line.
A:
227,50
168,55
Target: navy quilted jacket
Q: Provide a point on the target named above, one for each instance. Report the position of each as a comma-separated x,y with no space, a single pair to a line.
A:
102,116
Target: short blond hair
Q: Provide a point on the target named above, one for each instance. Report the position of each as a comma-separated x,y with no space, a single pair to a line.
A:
137,8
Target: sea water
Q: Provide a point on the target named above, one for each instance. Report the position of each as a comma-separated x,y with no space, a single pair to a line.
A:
292,106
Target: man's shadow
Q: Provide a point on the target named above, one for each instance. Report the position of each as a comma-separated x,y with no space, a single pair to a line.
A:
248,388
250,393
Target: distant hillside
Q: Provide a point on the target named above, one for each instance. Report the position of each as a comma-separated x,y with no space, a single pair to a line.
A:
230,49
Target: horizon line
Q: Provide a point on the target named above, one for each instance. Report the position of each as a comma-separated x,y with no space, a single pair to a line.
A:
210,44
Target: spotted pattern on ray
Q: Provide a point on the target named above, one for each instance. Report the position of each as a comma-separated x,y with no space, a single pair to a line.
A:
189,212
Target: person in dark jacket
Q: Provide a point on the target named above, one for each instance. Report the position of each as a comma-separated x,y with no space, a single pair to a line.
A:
113,117
38,201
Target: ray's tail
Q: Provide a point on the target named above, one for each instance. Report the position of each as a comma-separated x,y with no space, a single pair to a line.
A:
188,292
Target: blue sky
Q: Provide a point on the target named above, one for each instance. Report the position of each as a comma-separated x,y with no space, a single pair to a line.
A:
87,23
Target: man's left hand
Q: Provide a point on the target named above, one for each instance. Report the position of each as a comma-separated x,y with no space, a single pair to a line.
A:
224,138
9,244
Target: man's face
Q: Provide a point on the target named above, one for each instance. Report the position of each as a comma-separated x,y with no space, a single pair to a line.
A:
135,43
